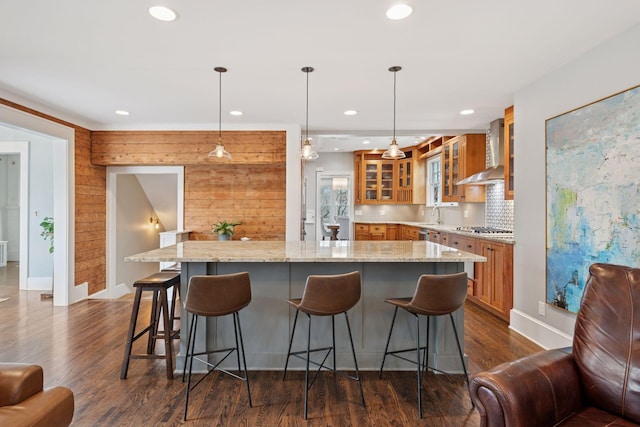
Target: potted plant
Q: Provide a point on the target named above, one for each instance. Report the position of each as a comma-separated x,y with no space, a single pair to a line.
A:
47,231
225,229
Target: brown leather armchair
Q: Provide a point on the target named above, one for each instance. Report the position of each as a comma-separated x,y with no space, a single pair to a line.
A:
24,402
594,383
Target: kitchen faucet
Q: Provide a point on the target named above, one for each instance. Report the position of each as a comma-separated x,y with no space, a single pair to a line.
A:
433,211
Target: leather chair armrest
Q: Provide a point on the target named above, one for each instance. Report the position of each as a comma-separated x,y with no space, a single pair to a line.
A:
540,389
53,407
18,382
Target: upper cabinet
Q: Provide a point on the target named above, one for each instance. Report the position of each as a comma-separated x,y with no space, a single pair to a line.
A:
462,156
508,153
389,181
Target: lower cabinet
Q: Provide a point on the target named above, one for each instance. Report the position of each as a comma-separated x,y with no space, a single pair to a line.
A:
410,233
494,278
364,231
394,231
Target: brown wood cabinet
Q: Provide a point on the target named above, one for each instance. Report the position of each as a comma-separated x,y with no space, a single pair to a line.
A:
494,278
508,154
389,181
467,244
361,231
434,236
365,231
462,156
410,233
394,232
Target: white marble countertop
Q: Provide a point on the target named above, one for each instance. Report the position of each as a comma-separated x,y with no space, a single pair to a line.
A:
309,251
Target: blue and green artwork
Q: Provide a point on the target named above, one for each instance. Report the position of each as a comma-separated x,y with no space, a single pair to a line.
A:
593,193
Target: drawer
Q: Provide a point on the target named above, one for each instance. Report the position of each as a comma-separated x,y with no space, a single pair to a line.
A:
467,244
362,227
378,228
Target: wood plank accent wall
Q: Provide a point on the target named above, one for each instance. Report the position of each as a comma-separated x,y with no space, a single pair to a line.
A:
254,195
116,148
90,207
91,216
251,187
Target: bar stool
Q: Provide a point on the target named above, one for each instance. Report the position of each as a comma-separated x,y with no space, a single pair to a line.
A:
158,283
215,296
435,295
325,295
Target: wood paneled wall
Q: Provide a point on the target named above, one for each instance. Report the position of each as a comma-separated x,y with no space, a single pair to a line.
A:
254,195
250,188
91,216
115,148
90,207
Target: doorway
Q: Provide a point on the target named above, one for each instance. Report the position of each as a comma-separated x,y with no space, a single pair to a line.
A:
128,231
333,204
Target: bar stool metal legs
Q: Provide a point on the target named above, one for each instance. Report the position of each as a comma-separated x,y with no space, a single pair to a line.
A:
319,300
435,295
216,296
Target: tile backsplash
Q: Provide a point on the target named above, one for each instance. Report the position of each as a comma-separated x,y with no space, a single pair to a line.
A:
499,213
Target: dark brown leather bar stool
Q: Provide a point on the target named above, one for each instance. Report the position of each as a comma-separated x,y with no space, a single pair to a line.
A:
435,295
158,283
325,295
214,296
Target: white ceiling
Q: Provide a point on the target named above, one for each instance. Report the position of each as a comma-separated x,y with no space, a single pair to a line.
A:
82,60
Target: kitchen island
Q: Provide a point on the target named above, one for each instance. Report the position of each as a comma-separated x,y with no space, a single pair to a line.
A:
278,272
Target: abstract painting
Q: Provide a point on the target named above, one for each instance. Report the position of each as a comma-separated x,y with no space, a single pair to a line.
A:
593,193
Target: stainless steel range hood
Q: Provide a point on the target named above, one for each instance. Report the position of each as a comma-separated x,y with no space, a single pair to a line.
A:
495,152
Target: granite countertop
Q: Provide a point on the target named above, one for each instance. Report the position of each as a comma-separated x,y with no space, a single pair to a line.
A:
447,229
311,251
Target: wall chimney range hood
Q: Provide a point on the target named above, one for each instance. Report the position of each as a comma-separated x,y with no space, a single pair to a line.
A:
495,151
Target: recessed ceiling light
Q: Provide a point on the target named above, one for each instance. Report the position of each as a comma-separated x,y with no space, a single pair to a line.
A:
366,141
467,112
162,13
399,11
336,149
350,113
235,113
122,113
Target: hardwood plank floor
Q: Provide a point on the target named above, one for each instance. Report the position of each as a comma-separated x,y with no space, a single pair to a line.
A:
81,347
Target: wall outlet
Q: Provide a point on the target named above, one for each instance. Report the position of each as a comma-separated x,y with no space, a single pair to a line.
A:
465,213
542,308
358,212
381,211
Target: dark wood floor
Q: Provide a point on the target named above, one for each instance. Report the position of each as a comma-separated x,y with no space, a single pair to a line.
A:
81,347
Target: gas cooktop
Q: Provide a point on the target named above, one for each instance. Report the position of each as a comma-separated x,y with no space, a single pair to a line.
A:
484,230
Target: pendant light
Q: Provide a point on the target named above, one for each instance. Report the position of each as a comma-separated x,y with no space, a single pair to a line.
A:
219,152
307,152
394,152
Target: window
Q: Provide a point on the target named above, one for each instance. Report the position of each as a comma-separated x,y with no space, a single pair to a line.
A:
434,181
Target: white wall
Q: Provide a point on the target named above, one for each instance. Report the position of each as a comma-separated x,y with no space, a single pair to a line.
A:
134,233
604,71
40,196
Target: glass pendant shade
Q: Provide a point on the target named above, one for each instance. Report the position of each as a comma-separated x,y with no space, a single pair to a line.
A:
219,152
307,152
394,152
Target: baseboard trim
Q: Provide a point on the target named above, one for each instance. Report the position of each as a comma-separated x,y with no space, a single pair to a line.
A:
539,332
40,283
